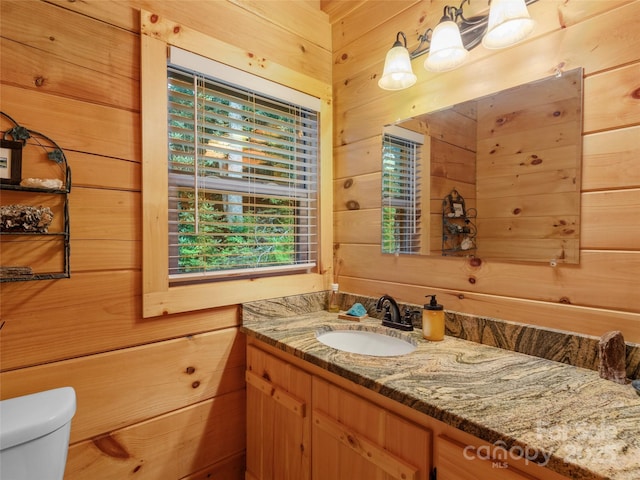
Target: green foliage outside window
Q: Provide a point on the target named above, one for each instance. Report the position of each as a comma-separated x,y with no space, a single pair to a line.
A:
218,227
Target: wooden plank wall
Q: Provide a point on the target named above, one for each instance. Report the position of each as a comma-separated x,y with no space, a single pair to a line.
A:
601,293
529,154
158,398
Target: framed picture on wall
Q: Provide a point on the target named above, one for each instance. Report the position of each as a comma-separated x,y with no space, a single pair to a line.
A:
458,209
10,162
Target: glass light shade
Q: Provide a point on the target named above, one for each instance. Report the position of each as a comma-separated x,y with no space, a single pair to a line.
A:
446,51
509,23
397,73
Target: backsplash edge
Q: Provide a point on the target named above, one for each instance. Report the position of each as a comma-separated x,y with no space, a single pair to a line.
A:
561,346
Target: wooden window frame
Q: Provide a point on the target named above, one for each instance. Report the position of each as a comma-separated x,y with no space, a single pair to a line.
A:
158,296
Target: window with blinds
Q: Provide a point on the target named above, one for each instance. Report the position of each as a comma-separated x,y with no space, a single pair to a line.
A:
243,173
400,195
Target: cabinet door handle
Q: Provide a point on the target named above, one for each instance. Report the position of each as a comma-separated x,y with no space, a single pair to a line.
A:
281,396
379,456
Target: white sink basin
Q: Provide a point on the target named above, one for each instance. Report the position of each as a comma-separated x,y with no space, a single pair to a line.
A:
366,342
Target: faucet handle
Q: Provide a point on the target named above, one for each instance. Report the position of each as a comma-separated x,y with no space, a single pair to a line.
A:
408,315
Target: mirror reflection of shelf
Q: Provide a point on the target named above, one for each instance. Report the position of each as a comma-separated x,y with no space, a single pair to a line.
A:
458,227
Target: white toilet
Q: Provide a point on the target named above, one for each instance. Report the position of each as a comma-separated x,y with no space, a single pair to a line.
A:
34,434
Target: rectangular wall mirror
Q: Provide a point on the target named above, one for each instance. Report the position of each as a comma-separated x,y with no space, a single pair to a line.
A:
496,177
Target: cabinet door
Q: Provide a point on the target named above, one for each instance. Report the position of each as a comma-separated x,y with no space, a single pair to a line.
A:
278,422
355,439
455,461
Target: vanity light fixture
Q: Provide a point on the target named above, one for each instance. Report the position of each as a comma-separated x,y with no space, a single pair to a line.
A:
507,23
446,50
397,73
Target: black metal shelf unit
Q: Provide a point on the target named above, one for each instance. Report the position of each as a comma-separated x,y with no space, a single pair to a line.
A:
22,137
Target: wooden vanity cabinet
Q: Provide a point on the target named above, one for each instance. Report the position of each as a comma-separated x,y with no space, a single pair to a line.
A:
278,419
304,422
353,438
459,461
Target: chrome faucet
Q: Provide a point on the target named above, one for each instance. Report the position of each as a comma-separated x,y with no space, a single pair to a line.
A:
392,316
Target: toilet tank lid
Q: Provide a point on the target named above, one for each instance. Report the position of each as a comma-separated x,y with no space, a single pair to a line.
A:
32,416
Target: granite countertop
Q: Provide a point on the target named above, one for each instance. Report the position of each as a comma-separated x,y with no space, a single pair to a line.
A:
565,417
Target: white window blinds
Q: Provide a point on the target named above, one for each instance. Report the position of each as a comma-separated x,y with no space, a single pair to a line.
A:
242,180
400,195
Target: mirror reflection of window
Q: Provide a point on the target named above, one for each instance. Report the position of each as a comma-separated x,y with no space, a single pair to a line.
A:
401,165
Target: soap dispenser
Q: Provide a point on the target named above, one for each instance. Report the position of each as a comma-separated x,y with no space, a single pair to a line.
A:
433,320
334,306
